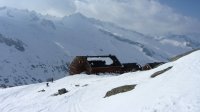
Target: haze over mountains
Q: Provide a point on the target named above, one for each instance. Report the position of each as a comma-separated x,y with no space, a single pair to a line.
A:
35,47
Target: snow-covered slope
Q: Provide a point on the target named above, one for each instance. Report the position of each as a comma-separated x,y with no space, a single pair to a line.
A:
176,90
36,47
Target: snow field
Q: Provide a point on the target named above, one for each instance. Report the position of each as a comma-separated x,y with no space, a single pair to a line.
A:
176,90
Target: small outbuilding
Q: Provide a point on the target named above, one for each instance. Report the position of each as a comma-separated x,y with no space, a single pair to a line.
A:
100,64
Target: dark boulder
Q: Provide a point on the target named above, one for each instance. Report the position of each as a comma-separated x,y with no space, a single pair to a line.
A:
62,91
41,90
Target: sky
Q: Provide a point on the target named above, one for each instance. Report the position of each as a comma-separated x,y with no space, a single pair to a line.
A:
185,7
154,17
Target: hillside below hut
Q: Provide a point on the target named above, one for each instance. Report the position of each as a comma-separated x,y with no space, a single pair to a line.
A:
100,64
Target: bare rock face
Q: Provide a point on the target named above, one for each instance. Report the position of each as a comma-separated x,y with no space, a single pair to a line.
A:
160,72
120,89
18,44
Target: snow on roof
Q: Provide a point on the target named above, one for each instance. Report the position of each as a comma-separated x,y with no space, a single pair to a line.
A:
107,60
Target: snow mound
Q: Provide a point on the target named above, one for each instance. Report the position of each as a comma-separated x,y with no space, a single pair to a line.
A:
176,90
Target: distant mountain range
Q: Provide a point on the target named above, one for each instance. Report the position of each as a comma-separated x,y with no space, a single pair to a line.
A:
34,47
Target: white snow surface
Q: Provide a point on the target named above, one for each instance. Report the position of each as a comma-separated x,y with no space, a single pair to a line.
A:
177,90
107,60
